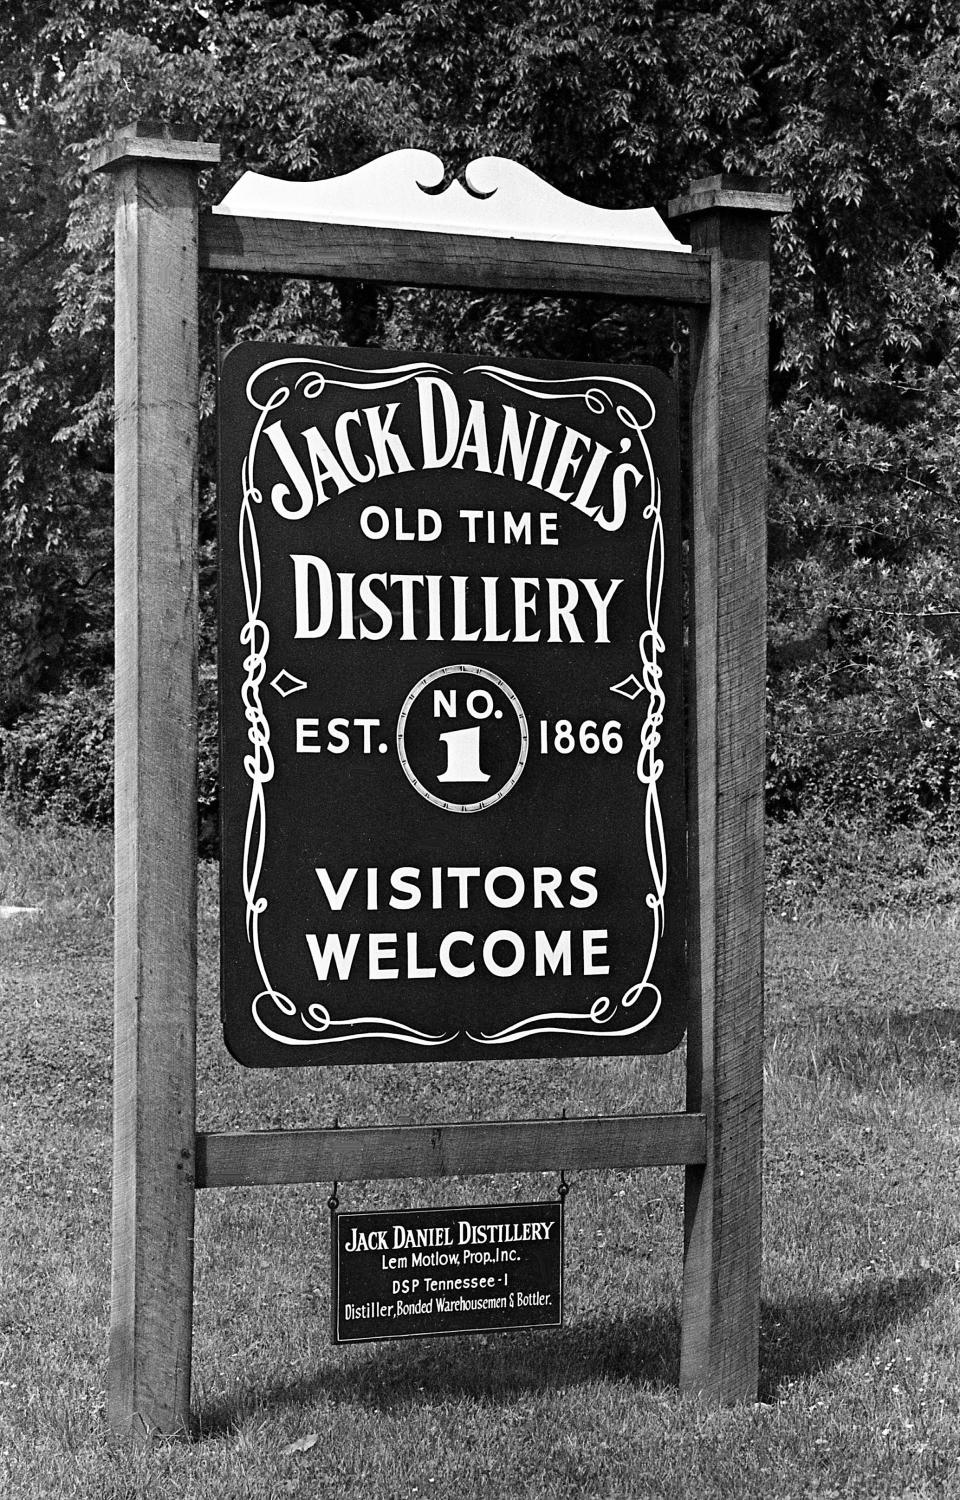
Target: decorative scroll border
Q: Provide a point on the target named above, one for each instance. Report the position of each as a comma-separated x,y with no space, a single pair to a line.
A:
319,1028
596,1018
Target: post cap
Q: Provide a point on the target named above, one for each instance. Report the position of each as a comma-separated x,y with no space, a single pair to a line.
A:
149,140
729,190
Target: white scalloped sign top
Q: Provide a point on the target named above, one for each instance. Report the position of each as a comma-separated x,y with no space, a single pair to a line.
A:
502,199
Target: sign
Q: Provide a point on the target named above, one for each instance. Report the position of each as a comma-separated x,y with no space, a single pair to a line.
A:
452,781
446,1270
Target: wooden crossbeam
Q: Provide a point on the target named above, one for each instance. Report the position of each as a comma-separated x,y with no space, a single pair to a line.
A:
400,257
258,1158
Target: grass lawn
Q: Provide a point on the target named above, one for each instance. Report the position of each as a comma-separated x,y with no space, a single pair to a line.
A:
860,1340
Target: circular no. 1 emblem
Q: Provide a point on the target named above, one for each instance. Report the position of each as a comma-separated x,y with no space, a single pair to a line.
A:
462,738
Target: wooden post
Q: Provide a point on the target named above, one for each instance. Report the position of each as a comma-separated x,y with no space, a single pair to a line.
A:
155,809
729,219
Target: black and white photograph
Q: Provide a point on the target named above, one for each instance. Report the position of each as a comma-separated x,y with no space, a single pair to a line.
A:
480,750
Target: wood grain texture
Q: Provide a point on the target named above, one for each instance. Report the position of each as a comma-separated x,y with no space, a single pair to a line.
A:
286,247
155,807
258,1158
135,147
721,1289
713,192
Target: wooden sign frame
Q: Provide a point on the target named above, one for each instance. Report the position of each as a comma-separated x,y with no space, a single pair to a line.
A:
160,1159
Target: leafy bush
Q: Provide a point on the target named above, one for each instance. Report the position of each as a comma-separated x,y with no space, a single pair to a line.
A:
58,761
849,869
860,757
864,641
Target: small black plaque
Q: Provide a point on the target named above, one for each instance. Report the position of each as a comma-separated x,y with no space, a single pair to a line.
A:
422,1272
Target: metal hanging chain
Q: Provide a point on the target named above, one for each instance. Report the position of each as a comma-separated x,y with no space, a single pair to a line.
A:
675,348
564,1187
333,1202
217,327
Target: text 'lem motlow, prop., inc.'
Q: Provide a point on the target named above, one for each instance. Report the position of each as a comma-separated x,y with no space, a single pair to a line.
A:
451,717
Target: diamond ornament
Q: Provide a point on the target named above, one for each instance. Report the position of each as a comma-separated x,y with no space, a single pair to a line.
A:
285,684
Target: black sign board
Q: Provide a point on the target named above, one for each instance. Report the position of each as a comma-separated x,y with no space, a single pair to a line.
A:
451,723
446,1270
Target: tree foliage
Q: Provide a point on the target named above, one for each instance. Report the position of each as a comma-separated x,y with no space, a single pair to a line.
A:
851,105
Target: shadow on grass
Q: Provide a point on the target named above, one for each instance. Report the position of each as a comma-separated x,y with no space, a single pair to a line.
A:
799,1337
643,1348
803,1336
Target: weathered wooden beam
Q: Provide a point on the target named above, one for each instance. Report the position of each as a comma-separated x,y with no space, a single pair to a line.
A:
155,808
727,191
290,247
263,1157
721,1286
